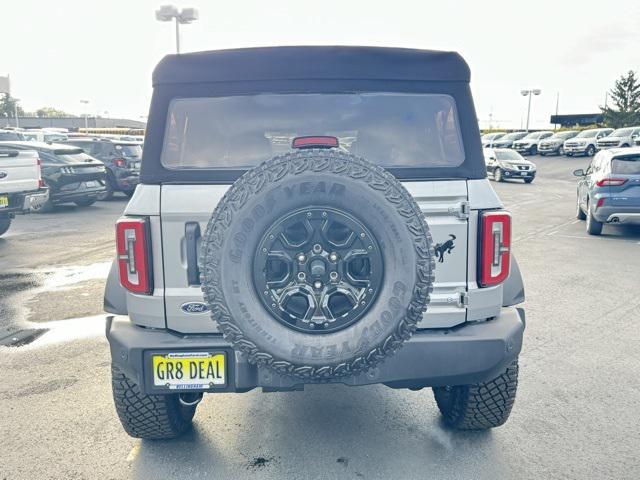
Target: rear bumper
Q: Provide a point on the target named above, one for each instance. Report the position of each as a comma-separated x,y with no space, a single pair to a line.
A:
65,196
617,215
624,218
474,352
23,201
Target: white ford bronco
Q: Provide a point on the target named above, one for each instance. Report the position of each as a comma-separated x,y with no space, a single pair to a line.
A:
312,215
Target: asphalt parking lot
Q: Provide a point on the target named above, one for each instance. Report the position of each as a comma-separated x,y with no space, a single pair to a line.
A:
576,415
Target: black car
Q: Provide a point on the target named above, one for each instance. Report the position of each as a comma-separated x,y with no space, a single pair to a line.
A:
503,163
71,175
121,158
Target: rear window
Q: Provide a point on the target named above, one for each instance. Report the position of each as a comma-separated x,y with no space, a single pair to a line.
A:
626,165
392,130
72,156
128,150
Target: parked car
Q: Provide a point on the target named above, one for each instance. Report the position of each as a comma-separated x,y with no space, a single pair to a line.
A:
529,143
21,185
11,135
507,140
70,175
585,142
503,163
489,138
609,190
621,137
317,264
554,145
122,159
43,135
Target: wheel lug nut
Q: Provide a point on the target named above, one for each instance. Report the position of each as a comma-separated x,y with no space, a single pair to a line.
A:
317,284
317,248
324,214
301,258
333,275
301,276
362,235
333,257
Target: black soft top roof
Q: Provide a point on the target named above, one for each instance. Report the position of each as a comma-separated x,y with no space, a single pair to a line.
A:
312,62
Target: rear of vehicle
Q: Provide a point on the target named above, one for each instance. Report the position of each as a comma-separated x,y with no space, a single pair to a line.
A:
121,158
211,122
554,145
620,138
617,189
21,186
70,175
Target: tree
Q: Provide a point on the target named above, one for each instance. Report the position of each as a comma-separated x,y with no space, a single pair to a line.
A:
51,112
8,106
625,96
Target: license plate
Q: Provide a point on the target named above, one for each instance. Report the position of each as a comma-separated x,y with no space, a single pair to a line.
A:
4,201
91,183
189,370
524,174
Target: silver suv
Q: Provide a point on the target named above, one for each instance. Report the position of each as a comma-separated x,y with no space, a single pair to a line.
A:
312,215
621,137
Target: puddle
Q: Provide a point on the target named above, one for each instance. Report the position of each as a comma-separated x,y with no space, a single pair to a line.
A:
51,304
59,331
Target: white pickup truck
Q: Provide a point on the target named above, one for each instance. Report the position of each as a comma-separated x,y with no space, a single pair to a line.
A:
21,185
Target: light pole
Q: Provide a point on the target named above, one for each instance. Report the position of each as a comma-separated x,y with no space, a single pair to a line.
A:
525,93
86,121
166,13
15,111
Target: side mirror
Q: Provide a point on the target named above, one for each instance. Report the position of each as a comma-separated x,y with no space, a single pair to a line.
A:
579,173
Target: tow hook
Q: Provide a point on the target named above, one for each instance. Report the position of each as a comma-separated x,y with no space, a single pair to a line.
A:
190,399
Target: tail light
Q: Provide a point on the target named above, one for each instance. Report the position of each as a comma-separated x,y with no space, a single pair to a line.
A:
600,202
133,242
495,247
611,182
315,142
119,162
41,183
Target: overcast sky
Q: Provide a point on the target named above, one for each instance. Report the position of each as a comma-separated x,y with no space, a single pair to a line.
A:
60,52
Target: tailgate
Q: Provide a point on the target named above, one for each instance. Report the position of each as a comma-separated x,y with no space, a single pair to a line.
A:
186,209
19,171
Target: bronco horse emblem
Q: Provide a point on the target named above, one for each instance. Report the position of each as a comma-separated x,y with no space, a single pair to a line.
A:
445,247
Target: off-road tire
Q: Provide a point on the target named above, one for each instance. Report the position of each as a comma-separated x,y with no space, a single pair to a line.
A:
479,406
153,417
5,223
386,334
109,189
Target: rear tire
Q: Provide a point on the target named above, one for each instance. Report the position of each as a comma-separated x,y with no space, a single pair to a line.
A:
594,227
479,406
109,190
86,202
579,213
5,223
153,417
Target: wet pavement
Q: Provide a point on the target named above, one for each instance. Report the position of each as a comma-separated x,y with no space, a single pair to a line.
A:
575,415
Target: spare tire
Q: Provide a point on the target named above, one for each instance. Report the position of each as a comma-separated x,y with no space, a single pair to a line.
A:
317,264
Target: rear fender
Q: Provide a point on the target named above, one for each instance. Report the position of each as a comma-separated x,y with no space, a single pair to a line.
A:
513,287
115,296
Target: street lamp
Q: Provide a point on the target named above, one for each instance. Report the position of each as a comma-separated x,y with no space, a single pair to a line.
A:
86,121
525,93
166,13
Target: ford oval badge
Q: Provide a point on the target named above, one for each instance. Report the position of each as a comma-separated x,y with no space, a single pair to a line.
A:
194,307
